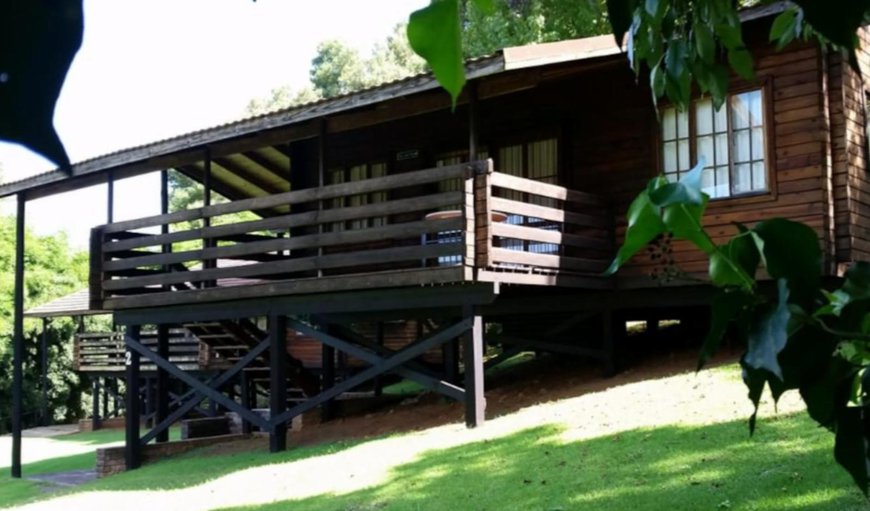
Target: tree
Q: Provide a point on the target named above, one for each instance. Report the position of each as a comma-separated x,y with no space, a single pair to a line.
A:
520,22
338,69
53,270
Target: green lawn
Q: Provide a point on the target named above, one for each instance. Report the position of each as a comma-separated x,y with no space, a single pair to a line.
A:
787,465
16,491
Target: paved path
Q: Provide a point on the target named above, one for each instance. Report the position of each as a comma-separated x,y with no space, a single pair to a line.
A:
59,480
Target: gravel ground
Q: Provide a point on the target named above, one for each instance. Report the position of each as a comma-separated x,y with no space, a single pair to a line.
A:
643,398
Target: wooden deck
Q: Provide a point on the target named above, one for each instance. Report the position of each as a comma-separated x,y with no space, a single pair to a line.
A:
359,235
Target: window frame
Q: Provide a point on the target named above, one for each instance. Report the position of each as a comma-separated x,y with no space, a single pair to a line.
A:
769,134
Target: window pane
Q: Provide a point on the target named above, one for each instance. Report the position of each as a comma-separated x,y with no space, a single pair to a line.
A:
683,124
739,112
722,149
759,177
757,143
704,117
705,150
741,146
669,124
670,156
542,159
720,122
742,178
684,155
723,183
756,115
708,182
671,176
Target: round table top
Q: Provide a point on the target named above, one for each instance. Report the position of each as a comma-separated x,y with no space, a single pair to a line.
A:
456,213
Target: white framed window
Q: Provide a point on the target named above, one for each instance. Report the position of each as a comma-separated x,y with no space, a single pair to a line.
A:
731,140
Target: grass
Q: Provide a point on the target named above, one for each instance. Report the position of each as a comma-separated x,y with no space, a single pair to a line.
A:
17,491
786,465
199,466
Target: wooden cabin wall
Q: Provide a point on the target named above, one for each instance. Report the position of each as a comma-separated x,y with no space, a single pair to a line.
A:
615,148
851,182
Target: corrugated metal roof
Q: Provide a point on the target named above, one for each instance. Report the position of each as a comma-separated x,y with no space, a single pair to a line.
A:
74,304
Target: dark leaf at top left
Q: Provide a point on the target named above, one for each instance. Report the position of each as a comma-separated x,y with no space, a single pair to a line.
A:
38,40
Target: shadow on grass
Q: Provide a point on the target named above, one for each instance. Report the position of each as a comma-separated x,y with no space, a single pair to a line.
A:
200,465
787,465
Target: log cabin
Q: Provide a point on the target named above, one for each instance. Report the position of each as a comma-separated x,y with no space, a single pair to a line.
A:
393,230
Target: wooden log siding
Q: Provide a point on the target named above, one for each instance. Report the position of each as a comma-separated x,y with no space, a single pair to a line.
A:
575,229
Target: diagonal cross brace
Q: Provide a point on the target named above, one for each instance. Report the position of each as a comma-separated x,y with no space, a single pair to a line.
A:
196,397
412,351
449,390
194,383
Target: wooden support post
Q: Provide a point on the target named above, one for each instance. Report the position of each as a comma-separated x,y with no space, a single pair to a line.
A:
206,201
450,354
162,382
278,387
379,339
132,449
18,339
149,400
105,414
608,342
327,411
95,409
110,197
43,373
483,215
472,353
245,391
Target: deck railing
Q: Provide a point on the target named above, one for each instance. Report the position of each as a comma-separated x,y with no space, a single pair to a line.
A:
378,232
105,351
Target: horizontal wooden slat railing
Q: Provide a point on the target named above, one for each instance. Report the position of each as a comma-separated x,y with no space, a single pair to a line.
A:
105,351
305,250
534,228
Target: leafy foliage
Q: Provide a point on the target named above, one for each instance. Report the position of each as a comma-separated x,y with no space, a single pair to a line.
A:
797,335
519,22
52,271
338,69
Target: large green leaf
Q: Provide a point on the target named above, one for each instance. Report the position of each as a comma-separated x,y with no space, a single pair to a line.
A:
644,224
851,445
620,13
686,191
435,34
755,380
684,220
837,20
726,306
791,251
735,263
38,39
768,333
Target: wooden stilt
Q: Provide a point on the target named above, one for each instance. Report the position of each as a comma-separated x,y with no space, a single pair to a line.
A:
472,352
278,387
327,411
245,392
18,339
132,451
95,409
162,382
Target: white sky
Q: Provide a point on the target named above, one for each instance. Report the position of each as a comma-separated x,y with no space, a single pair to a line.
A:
152,69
